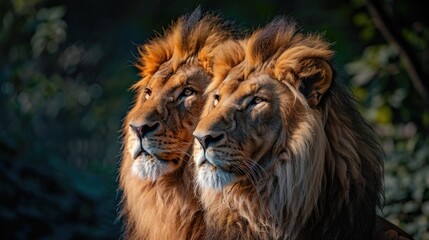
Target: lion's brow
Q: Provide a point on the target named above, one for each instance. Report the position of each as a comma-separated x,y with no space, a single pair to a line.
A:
167,77
176,83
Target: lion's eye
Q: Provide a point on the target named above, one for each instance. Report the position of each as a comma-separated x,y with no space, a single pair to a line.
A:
256,100
188,91
216,100
147,92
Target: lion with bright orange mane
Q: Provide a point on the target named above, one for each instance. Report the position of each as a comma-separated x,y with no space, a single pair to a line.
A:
281,151
156,173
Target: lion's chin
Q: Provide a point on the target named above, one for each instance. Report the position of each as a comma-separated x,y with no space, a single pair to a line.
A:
210,177
152,169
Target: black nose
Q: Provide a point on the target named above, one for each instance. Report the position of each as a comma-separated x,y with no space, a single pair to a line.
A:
210,140
144,129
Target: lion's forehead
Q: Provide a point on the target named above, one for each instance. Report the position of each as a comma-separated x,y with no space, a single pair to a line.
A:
168,81
239,88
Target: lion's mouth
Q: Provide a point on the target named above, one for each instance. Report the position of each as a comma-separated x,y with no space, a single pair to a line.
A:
203,162
225,167
141,152
154,157
208,165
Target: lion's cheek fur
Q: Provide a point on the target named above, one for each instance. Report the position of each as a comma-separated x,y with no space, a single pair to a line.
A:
192,108
217,180
207,176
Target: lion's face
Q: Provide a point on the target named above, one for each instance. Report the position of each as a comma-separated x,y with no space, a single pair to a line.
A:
159,126
240,128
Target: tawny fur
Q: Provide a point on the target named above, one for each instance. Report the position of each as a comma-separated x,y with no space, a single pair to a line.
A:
324,177
166,207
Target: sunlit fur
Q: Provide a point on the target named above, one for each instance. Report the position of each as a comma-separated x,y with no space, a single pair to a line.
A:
158,197
300,164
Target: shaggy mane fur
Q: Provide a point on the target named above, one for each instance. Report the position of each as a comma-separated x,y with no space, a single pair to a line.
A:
191,38
327,180
166,208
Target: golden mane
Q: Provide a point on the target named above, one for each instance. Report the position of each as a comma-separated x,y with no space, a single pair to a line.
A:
279,41
191,37
327,176
165,207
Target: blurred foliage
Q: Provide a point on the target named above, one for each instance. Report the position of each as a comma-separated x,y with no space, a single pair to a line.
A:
394,108
58,144
66,67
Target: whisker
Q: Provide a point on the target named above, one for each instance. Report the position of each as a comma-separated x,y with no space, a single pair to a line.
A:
175,151
254,167
251,177
244,170
252,170
233,186
179,152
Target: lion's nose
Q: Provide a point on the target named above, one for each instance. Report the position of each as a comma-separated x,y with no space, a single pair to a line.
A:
143,129
208,140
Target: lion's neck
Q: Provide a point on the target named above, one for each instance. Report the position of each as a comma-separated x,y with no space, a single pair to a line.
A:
162,209
236,213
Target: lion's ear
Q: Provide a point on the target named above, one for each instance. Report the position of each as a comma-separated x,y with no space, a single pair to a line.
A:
307,70
314,79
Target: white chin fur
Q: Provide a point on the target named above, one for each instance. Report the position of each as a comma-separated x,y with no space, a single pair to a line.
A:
213,179
151,170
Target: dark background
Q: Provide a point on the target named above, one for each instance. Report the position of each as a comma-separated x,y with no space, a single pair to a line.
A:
65,70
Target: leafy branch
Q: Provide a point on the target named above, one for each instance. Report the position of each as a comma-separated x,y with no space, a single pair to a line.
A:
388,29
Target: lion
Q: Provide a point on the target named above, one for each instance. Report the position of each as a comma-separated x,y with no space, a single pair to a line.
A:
281,151
155,172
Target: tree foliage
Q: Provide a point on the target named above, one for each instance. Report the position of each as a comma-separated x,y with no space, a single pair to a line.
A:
396,106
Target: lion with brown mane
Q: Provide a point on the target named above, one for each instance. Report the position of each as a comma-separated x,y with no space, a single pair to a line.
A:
155,173
281,151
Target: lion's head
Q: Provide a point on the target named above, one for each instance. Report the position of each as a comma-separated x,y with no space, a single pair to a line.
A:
169,96
280,147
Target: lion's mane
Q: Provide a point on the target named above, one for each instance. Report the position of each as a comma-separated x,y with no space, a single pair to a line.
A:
330,186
